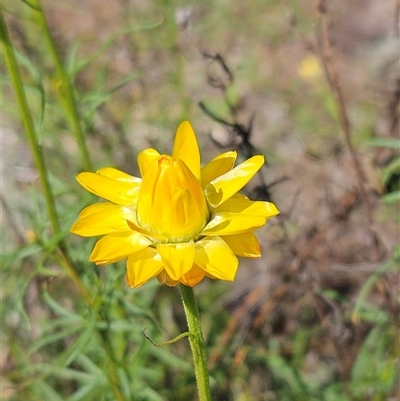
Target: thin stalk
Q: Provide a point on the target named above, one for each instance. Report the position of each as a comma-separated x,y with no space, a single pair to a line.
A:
12,66
65,88
196,343
27,121
62,255
113,367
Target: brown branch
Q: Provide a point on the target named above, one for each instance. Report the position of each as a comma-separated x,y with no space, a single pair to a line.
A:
334,82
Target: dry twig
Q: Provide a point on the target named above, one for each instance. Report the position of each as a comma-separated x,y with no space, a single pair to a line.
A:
325,42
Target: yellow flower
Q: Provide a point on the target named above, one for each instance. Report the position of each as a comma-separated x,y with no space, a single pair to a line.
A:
179,222
309,68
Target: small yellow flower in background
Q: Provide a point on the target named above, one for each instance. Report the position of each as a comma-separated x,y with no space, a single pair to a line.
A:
309,68
179,222
30,236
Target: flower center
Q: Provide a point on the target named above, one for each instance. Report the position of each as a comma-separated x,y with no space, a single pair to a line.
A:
171,202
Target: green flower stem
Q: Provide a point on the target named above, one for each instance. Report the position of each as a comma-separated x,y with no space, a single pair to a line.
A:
12,66
196,343
27,121
64,85
63,258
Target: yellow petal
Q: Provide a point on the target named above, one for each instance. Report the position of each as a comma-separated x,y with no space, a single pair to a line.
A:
193,276
246,206
143,266
135,227
215,257
223,187
177,258
115,190
145,158
102,218
114,247
186,148
118,175
186,214
217,166
171,283
163,278
232,223
245,244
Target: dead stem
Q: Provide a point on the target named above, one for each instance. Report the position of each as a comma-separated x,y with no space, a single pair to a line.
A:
325,42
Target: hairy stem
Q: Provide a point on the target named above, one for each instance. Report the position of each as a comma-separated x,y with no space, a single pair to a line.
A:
196,343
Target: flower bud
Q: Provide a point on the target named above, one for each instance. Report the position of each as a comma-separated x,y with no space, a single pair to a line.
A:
171,201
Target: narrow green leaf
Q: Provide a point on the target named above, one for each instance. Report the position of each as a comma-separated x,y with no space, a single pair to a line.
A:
393,197
88,392
369,284
55,306
86,363
48,339
73,67
392,143
80,344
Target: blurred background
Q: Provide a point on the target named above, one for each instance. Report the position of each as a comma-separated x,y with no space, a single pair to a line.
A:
317,317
